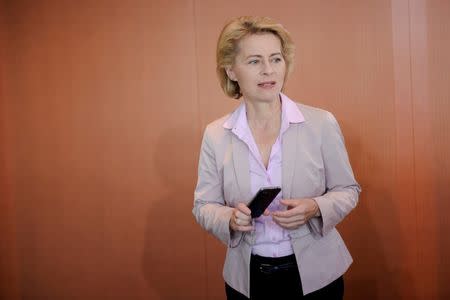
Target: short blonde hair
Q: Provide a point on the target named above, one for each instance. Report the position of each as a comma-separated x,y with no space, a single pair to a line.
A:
233,32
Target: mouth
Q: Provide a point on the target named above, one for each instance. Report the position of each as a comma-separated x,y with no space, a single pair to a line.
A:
267,84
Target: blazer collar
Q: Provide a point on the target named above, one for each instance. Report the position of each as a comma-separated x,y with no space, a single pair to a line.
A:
290,114
291,111
290,130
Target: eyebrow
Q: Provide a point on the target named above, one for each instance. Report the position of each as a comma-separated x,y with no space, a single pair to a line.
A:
259,56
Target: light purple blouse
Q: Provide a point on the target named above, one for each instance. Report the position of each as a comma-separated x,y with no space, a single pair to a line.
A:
270,239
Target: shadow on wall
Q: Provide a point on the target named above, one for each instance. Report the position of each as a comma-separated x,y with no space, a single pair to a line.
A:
174,250
369,260
373,238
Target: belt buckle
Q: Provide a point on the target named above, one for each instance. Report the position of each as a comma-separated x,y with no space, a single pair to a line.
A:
271,269
268,268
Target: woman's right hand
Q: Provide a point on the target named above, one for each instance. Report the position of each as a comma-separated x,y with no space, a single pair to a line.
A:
241,219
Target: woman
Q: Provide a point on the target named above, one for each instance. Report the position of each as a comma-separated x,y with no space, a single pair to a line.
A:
293,251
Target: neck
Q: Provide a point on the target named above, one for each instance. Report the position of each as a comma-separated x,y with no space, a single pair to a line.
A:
262,114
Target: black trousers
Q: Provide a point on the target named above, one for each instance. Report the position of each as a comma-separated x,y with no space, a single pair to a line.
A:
278,278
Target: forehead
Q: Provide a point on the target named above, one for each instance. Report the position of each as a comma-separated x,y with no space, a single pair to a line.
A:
259,44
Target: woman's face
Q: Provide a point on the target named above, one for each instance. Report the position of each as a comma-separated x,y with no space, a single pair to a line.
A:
259,67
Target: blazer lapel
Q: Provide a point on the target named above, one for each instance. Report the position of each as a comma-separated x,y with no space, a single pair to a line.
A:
289,159
241,167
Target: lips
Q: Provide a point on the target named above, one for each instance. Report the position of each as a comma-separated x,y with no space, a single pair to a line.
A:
267,84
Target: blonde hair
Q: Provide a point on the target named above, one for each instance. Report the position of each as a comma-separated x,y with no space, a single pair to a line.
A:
233,32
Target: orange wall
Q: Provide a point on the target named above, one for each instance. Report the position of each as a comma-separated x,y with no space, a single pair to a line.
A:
104,106
8,252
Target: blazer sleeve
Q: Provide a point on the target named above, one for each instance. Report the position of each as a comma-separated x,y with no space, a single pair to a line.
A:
210,210
342,190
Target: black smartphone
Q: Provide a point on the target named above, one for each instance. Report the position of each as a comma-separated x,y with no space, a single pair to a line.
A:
262,200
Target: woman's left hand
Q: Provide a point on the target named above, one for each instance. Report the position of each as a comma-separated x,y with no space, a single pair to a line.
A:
298,212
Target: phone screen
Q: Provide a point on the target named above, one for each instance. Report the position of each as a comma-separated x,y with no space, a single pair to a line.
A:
262,200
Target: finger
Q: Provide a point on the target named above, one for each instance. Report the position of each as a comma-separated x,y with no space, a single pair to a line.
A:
290,212
266,212
244,228
291,225
244,209
242,216
237,226
290,202
295,218
241,222
291,219
283,222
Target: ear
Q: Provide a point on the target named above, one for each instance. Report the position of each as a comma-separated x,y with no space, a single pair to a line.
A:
230,73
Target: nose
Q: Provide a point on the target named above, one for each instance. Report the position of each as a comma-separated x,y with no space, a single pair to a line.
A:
267,68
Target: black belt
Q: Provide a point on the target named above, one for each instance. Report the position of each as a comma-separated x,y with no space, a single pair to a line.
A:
271,265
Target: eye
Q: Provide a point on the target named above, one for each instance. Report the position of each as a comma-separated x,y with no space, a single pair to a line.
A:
253,62
277,59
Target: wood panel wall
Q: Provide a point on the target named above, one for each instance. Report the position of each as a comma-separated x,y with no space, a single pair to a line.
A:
8,252
103,104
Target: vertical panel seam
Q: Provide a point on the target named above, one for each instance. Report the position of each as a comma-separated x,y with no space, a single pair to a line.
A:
404,112
199,129
419,89
411,90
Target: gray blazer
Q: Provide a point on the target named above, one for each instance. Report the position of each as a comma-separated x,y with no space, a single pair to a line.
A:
315,164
